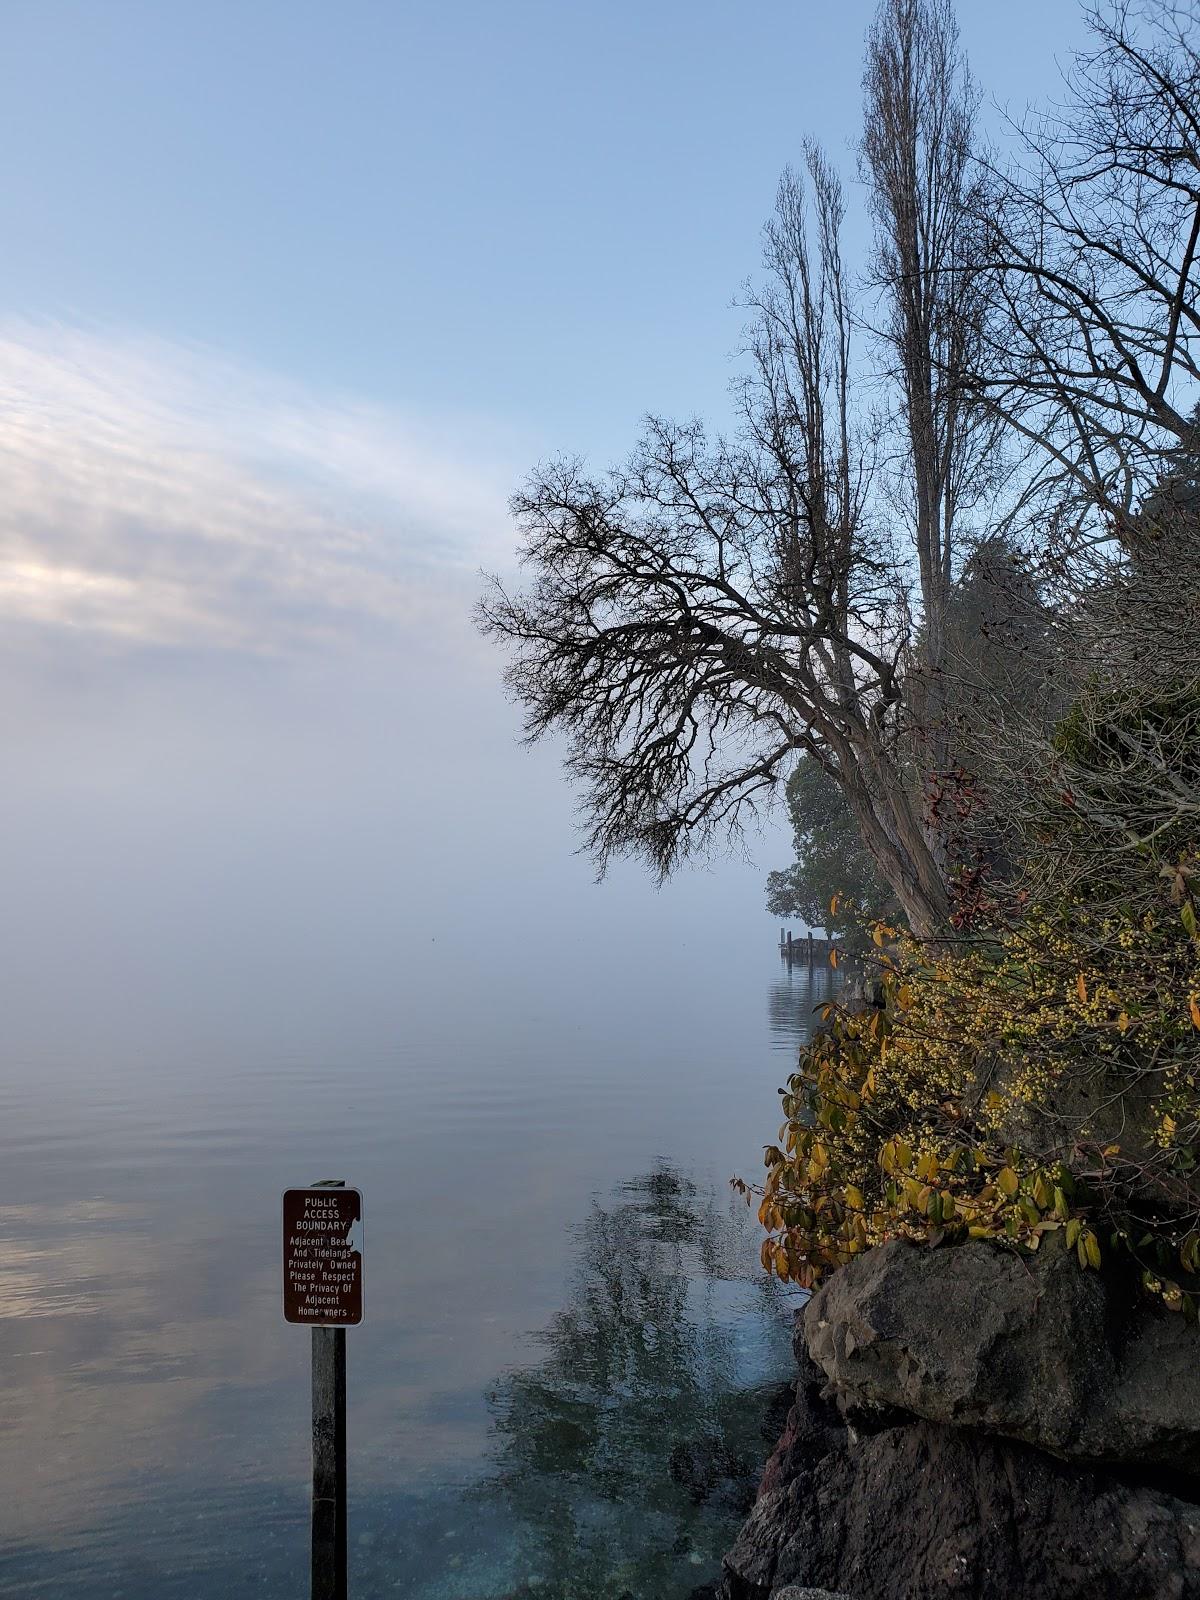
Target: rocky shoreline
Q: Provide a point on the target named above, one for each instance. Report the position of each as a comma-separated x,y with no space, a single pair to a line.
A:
969,1422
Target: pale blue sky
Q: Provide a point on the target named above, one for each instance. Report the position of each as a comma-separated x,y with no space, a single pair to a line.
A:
291,296
533,211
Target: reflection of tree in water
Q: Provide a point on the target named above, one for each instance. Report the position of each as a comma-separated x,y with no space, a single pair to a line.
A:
793,997
630,1452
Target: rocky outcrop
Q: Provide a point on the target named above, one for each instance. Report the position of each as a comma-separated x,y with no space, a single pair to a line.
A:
1028,1347
980,1425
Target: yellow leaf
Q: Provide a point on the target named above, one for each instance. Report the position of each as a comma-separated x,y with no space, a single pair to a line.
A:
1123,1022
854,1197
833,905
1081,989
833,956
1007,1181
1194,1009
1092,1246
765,1255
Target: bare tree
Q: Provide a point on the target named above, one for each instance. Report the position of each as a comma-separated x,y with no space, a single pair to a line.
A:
1095,234
702,615
923,185
717,607
924,190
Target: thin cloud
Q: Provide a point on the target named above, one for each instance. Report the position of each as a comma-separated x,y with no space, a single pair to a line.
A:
157,494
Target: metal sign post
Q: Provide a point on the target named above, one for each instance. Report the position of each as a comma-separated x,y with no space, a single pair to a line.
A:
329,1464
322,1287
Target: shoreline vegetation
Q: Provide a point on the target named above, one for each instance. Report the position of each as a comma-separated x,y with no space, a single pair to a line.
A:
939,589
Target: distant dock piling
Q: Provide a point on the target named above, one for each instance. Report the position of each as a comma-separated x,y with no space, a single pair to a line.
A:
807,949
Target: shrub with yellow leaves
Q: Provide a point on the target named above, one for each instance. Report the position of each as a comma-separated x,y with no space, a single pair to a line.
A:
1039,1073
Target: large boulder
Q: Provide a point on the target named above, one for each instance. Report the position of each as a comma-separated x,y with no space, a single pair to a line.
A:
1027,1347
920,1511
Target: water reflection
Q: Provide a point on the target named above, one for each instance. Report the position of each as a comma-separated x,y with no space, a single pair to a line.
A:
629,1452
793,998
620,1459
155,1433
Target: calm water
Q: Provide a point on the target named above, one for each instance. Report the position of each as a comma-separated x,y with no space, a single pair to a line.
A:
564,1314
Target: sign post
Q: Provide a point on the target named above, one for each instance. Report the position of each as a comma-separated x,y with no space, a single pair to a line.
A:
322,1287
329,1464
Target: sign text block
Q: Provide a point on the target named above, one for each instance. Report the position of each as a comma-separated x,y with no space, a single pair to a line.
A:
322,1257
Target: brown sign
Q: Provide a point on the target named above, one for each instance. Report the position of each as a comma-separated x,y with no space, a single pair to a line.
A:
322,1257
